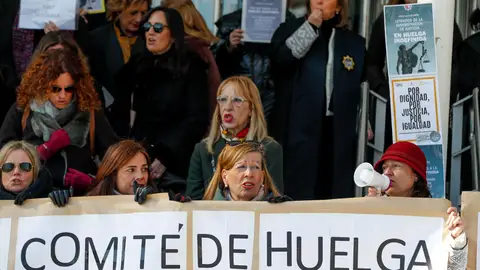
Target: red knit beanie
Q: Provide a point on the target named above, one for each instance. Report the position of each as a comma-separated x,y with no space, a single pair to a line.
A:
407,153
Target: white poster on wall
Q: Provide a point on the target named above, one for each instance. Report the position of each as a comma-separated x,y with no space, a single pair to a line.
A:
34,14
5,229
223,239
350,241
117,241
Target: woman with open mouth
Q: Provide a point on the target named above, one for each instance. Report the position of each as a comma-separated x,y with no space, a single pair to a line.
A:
406,166
241,175
22,176
170,96
238,117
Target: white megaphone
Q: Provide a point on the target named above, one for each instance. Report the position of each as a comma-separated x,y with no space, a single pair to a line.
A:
366,176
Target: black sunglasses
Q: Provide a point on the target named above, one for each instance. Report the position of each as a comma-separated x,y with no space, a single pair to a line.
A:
58,89
24,166
157,27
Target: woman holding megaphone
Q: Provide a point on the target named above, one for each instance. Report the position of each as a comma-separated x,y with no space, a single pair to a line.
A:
405,165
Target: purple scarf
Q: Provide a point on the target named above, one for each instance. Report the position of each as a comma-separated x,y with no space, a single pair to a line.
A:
23,45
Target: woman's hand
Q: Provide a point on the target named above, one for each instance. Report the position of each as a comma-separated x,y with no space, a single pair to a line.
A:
316,17
455,224
50,27
235,38
140,192
373,192
60,198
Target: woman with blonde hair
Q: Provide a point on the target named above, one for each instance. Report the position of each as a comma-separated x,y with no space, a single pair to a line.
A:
238,117
198,40
22,175
241,175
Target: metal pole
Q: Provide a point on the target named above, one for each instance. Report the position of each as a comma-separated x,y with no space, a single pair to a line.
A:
218,13
362,132
462,11
476,133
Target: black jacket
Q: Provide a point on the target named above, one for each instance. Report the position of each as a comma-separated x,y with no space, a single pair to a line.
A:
249,59
171,110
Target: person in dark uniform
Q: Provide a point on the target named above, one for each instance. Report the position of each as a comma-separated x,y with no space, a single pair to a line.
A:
317,65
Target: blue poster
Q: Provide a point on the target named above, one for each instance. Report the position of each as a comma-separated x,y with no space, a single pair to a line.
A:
260,19
410,39
435,171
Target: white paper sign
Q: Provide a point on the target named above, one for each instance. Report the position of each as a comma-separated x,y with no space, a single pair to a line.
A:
118,241
35,13
223,239
416,112
5,228
350,241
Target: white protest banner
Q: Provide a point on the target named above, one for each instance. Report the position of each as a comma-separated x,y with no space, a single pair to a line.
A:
226,243
5,230
350,241
114,232
414,96
93,6
35,13
260,19
127,241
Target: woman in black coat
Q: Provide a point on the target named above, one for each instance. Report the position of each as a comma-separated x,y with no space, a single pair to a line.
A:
318,67
170,94
57,109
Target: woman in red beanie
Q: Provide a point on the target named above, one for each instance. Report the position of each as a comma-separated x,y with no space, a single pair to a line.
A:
406,166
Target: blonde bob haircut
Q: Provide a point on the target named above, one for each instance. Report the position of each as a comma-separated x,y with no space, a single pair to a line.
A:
246,88
227,159
193,21
343,13
27,148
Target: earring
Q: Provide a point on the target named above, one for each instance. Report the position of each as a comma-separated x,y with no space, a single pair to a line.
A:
337,12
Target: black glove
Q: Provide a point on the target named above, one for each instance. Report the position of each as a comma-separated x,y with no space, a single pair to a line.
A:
181,198
141,192
279,199
22,197
61,197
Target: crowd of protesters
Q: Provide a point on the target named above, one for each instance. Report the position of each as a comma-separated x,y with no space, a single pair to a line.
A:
142,100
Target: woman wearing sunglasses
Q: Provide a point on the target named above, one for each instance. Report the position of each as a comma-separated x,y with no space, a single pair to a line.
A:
58,110
22,177
241,175
237,117
170,95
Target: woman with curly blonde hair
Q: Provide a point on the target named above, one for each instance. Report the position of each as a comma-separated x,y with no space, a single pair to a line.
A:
58,110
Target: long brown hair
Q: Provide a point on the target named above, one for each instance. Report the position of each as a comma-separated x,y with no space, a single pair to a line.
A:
193,21
53,38
343,14
117,156
46,68
227,159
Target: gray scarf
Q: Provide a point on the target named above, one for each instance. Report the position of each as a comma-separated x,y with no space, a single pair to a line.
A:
259,197
46,119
